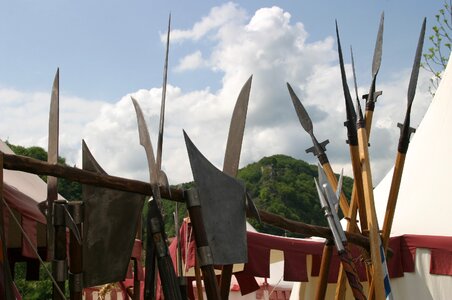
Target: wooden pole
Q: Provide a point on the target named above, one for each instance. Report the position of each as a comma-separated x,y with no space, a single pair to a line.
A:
75,252
324,270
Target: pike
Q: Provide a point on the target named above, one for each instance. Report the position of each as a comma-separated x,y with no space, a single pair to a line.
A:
404,140
231,162
357,200
328,201
371,98
162,178
319,148
156,236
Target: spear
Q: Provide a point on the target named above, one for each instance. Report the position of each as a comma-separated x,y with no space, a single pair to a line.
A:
156,236
404,140
161,176
328,202
319,148
357,200
371,98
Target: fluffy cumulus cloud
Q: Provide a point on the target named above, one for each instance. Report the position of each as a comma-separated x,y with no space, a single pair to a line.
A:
268,45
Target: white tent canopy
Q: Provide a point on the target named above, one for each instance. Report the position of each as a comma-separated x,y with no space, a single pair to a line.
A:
424,205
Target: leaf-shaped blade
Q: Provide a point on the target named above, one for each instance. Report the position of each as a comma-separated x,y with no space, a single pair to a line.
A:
302,114
416,66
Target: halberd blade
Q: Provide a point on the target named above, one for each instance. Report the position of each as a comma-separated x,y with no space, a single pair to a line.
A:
219,192
107,245
236,131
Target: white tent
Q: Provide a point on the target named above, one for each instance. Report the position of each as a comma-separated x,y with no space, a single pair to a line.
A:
22,192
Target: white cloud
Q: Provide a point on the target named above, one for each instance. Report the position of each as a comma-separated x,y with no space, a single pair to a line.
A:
268,45
191,62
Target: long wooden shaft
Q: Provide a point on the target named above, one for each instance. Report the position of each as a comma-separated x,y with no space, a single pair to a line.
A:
392,199
75,253
59,264
199,290
208,272
324,270
352,275
372,223
225,282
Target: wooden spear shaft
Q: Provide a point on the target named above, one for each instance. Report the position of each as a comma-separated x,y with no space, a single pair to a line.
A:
324,269
372,222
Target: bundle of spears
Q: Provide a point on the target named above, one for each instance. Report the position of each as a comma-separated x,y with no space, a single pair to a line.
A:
100,250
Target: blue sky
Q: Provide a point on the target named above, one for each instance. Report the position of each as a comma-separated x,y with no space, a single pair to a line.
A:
107,50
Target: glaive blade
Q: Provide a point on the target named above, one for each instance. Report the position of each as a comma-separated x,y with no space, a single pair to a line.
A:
236,131
145,141
376,62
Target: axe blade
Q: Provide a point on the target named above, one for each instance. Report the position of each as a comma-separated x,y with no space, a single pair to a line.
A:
223,207
108,230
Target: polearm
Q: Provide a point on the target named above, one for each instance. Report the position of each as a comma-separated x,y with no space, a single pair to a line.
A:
56,238
357,192
328,202
231,162
154,223
319,148
357,200
372,222
404,140
371,98
161,177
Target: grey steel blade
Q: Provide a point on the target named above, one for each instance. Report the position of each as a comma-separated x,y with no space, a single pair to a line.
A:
331,199
376,62
354,74
236,131
222,200
302,114
109,228
52,158
145,141
351,114
162,105
416,66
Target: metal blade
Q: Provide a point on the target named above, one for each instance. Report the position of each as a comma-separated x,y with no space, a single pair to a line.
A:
236,131
145,141
52,158
378,48
219,192
351,114
162,106
302,114
107,245
354,75
416,66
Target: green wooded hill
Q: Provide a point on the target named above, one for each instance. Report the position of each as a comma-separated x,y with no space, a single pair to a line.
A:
285,186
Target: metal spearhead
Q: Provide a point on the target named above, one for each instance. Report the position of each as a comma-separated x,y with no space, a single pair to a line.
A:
376,62
319,148
405,129
354,75
162,106
219,192
351,114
